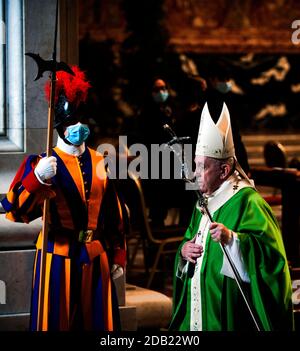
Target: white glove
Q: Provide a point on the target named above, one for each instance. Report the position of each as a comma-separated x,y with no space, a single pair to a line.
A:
116,271
46,168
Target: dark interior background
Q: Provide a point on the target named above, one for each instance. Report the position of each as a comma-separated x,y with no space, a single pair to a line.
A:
125,43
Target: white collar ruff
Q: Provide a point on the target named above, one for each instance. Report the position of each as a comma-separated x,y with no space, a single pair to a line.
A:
70,149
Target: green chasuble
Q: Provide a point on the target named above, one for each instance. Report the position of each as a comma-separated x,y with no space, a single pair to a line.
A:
269,290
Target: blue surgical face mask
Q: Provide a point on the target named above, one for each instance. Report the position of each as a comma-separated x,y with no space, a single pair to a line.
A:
77,133
161,96
223,87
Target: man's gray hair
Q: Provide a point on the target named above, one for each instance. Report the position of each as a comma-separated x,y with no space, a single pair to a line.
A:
231,161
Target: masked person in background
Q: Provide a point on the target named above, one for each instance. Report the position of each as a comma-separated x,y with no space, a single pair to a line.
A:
206,295
86,243
157,111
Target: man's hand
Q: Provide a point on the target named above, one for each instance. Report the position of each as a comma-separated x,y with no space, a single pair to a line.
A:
46,168
191,251
220,233
116,271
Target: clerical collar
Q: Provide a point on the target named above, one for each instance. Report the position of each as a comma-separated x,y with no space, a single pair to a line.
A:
234,179
70,149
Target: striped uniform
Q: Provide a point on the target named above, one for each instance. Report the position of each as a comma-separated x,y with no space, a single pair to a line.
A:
79,294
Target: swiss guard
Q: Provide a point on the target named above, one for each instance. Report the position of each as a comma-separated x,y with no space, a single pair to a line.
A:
86,242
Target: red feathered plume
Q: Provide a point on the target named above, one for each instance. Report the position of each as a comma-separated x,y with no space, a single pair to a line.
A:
75,87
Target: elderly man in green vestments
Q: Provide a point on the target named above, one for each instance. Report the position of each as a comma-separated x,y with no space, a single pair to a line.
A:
206,295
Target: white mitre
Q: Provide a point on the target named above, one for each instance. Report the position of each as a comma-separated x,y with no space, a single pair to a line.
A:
215,139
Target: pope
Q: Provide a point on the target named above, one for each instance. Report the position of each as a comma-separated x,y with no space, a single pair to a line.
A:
206,295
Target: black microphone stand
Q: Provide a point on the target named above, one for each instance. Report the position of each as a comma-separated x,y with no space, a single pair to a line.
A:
203,204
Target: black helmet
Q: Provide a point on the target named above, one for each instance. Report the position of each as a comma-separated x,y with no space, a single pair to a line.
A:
70,94
65,112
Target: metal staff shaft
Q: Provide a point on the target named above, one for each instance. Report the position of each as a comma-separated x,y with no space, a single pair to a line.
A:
42,301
